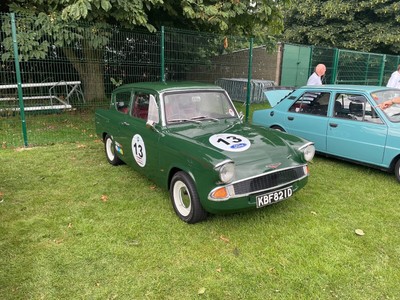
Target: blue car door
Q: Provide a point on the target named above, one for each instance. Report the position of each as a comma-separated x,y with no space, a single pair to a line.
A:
355,130
308,118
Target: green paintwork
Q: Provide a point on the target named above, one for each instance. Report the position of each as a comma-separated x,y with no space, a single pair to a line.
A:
186,145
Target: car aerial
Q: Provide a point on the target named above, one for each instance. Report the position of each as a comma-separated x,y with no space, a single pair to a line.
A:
343,121
189,139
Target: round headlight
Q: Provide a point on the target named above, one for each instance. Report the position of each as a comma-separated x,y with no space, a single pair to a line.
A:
308,152
227,172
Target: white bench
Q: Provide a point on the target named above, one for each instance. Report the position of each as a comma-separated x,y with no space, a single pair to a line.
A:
55,101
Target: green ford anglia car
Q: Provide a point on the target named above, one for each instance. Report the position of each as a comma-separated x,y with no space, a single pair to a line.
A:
189,139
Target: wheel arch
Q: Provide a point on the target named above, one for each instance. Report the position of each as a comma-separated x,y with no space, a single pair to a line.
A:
277,127
171,174
393,163
103,136
175,170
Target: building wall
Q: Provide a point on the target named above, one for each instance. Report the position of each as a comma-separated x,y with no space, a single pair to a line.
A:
265,66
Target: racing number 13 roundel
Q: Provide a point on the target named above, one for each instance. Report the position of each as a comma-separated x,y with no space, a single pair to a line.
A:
139,150
230,142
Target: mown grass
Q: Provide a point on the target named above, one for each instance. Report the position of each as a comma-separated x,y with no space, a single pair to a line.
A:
74,227
47,129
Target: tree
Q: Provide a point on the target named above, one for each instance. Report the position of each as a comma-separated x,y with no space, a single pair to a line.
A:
370,25
83,43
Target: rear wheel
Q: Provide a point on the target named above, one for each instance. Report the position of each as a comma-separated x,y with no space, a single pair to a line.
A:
109,147
397,170
185,200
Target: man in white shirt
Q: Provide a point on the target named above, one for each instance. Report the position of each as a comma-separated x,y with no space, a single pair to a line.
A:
315,78
394,80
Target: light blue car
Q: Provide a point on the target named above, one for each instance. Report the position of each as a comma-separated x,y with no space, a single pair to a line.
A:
342,120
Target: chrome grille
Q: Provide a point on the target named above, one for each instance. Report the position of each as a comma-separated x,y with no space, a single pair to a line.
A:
268,181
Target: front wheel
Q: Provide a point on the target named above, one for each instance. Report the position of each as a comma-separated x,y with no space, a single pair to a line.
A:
109,147
185,199
397,170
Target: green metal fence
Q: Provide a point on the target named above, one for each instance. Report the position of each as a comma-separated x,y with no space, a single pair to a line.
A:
67,70
343,66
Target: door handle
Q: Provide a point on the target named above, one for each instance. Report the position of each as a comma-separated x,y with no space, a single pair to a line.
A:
125,123
333,125
290,118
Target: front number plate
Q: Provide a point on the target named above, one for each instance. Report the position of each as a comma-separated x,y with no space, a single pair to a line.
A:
271,198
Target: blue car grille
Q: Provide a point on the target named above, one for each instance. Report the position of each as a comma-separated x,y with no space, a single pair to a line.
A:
269,180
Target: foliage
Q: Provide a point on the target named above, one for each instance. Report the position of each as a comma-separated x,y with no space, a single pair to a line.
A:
83,28
260,18
370,26
249,18
58,20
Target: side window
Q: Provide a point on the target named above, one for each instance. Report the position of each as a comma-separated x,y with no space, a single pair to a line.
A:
140,107
371,115
121,101
355,107
312,103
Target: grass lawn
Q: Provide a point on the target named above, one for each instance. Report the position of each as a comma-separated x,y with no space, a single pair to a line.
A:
46,129
74,227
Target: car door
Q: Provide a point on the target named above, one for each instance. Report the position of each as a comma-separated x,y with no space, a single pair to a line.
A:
308,118
355,130
117,114
140,141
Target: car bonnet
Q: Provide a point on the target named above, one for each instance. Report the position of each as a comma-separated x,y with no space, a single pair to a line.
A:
249,146
274,96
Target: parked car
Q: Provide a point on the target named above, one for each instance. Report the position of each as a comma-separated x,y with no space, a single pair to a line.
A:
190,139
343,121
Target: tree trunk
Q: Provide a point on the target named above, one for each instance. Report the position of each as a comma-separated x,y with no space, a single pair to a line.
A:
93,82
90,70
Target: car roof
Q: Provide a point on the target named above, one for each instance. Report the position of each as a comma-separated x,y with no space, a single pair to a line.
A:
169,86
364,88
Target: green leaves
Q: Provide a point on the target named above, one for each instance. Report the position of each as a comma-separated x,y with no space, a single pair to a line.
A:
76,11
258,18
235,17
371,26
30,42
106,5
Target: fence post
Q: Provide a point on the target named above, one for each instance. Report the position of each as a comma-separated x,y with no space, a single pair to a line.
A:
335,65
19,82
162,54
249,79
310,64
367,70
382,69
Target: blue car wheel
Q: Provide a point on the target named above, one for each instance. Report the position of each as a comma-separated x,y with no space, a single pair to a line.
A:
397,170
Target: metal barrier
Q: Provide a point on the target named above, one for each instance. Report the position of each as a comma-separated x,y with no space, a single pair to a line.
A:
258,87
237,88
